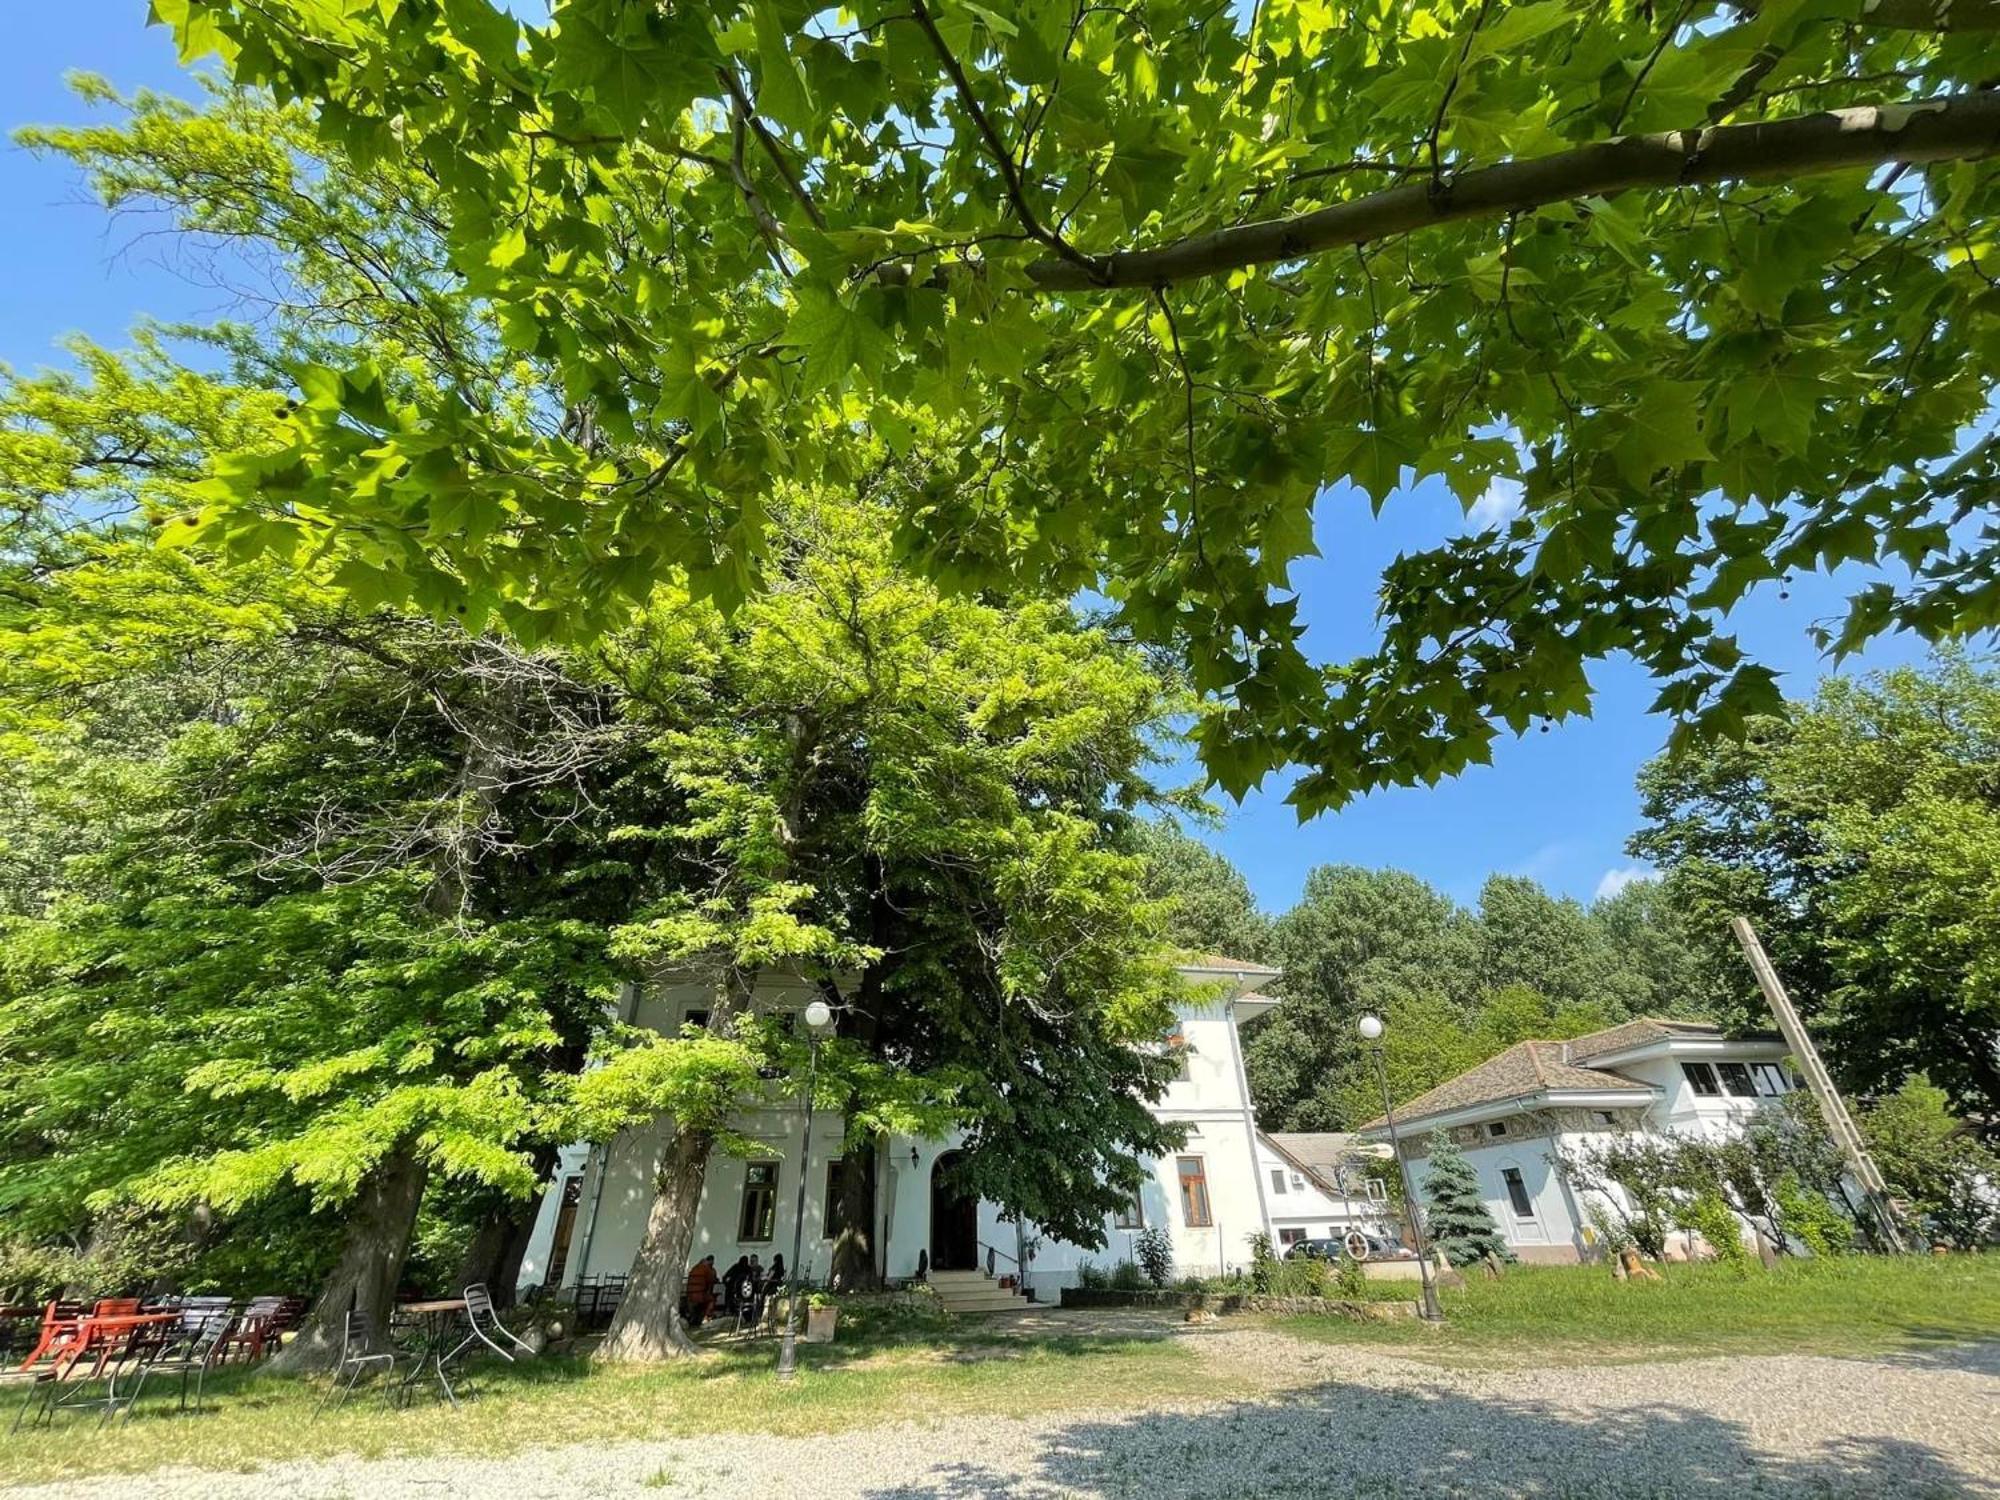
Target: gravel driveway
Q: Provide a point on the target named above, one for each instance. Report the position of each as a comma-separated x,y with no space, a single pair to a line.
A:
1359,1423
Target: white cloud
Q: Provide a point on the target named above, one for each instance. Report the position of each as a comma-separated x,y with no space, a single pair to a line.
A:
1494,509
1614,881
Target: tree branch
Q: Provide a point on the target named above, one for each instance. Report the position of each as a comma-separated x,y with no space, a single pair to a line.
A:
769,143
1962,127
997,148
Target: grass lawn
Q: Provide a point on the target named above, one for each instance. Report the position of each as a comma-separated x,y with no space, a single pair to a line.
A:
254,1419
1580,1314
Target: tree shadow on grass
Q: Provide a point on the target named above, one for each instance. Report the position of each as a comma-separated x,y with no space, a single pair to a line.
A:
1403,1444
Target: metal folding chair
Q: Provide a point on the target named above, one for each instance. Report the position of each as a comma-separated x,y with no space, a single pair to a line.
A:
357,1337
195,1345
480,1313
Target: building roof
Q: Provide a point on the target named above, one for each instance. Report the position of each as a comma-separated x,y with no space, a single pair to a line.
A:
1319,1154
1523,1070
1216,963
1646,1031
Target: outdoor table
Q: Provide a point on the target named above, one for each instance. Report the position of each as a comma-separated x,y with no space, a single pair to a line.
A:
437,1323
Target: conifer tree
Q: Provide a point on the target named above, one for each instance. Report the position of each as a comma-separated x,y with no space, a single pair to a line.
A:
1460,1225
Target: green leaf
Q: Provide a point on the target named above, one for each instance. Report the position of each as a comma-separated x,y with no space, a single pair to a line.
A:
1662,431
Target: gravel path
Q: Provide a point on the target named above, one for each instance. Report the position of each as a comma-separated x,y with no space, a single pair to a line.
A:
1360,1423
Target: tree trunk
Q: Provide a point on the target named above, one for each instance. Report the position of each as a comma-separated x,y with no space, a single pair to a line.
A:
490,1237
854,1252
507,1271
379,1223
647,1325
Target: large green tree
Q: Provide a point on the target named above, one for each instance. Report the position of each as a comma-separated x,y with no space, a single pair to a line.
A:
1862,838
1710,286
921,803
1455,986
1210,908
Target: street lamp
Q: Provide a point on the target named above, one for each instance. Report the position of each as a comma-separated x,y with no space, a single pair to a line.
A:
1371,1028
819,1016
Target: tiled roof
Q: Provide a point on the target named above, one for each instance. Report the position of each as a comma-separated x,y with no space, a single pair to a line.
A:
1524,1069
1319,1154
1221,965
1640,1033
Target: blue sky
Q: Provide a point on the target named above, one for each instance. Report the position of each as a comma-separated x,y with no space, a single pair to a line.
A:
1557,806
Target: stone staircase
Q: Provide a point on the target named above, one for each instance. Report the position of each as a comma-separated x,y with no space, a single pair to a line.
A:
975,1293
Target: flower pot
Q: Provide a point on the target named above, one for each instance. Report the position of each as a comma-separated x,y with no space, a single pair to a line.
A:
819,1324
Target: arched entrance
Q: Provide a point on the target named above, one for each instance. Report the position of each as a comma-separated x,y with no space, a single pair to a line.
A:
954,1218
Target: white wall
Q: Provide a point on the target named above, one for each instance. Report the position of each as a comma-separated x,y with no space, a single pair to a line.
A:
1210,1105
1297,1203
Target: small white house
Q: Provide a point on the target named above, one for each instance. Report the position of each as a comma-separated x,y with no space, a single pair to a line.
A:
1208,1195
1516,1112
1318,1188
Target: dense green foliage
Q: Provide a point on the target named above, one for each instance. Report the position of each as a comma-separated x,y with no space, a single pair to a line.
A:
313,902
1777,1172
1455,1209
1209,908
1862,837
1454,986
1156,283
1933,1162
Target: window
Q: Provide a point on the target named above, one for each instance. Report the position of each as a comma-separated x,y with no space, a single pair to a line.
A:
698,1019
1290,1236
1183,1055
1517,1193
1132,1215
760,1201
1736,1079
1298,1183
1277,1179
1378,1190
1498,1127
1770,1078
1194,1194
1701,1077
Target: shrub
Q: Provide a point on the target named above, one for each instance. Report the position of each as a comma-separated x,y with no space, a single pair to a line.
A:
1195,1284
1125,1277
1155,1253
1263,1263
1715,1221
1303,1276
1811,1218
1092,1277
1349,1280
1613,1234
31,1273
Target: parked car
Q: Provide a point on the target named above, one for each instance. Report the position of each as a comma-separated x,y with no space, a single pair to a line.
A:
1379,1248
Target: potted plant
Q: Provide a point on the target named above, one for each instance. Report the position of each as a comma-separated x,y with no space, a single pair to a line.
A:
822,1313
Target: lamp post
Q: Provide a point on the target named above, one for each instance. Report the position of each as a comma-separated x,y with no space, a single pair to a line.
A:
819,1016
1370,1027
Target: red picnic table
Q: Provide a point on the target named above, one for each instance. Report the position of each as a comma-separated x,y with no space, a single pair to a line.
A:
106,1336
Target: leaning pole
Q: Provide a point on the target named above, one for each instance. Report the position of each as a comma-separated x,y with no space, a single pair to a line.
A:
1831,1106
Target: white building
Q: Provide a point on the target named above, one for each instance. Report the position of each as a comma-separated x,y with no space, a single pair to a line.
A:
1208,1195
1514,1113
1317,1187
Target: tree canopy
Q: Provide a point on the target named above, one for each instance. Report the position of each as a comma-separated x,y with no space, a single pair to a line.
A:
1455,986
1711,285
1862,838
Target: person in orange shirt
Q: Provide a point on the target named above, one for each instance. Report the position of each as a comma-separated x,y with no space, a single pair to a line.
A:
700,1294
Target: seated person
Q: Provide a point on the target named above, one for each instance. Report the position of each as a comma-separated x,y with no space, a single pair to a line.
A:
700,1293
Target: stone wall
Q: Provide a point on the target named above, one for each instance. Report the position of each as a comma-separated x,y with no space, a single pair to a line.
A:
1230,1302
